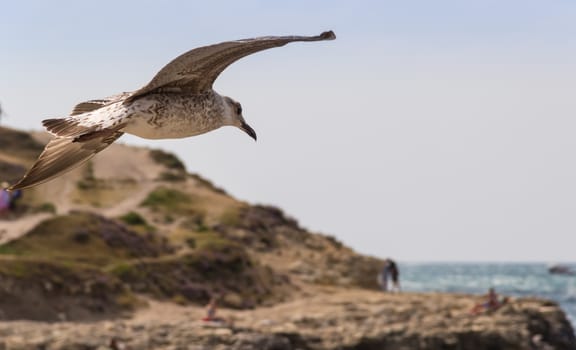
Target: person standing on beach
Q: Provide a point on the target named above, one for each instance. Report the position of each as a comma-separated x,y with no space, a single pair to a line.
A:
389,271
395,274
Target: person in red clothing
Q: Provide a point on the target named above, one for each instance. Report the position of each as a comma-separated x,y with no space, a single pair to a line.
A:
491,303
211,308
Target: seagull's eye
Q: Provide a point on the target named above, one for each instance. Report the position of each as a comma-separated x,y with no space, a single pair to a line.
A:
239,110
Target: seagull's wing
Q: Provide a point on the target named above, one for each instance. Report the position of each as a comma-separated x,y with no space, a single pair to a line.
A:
196,70
62,154
92,105
77,140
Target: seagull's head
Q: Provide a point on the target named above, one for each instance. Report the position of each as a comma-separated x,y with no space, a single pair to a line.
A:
233,115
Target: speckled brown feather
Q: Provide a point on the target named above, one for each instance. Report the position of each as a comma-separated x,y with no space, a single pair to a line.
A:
63,154
196,70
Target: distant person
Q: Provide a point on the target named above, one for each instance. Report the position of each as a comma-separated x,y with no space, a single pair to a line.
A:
8,199
5,198
491,302
211,309
14,197
395,274
389,272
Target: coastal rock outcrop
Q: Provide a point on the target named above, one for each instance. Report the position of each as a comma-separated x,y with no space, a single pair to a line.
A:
335,319
82,255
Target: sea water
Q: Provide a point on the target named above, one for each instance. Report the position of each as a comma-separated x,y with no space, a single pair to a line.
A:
511,279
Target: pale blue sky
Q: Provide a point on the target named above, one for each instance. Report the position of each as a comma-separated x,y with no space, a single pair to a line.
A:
429,130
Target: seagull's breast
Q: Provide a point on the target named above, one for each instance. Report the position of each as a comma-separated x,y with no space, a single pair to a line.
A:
166,116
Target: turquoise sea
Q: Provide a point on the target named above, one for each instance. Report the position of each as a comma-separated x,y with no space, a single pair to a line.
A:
514,279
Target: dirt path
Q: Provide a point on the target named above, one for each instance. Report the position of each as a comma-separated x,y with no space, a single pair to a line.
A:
131,202
120,162
13,229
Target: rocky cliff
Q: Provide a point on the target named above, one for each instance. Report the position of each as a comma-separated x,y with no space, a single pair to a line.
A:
133,245
334,319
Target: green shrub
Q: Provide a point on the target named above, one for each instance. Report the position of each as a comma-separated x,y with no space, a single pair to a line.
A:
195,222
8,250
231,217
207,183
190,242
133,218
46,208
171,176
165,197
167,159
169,201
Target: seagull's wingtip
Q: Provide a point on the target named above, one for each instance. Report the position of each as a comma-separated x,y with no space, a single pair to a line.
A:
15,187
329,35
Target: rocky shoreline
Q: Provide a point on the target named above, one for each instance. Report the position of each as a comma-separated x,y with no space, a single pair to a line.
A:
338,319
81,253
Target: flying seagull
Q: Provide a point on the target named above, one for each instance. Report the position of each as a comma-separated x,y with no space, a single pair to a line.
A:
178,102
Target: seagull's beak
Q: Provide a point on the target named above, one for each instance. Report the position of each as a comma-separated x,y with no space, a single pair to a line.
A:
247,129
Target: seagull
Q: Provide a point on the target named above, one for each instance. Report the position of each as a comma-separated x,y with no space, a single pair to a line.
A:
178,102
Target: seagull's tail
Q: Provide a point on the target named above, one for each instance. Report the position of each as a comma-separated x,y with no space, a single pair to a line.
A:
63,154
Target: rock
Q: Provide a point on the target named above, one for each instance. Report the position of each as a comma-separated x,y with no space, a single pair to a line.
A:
341,319
261,341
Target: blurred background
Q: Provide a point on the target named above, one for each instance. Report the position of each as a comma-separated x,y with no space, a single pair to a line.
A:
428,131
